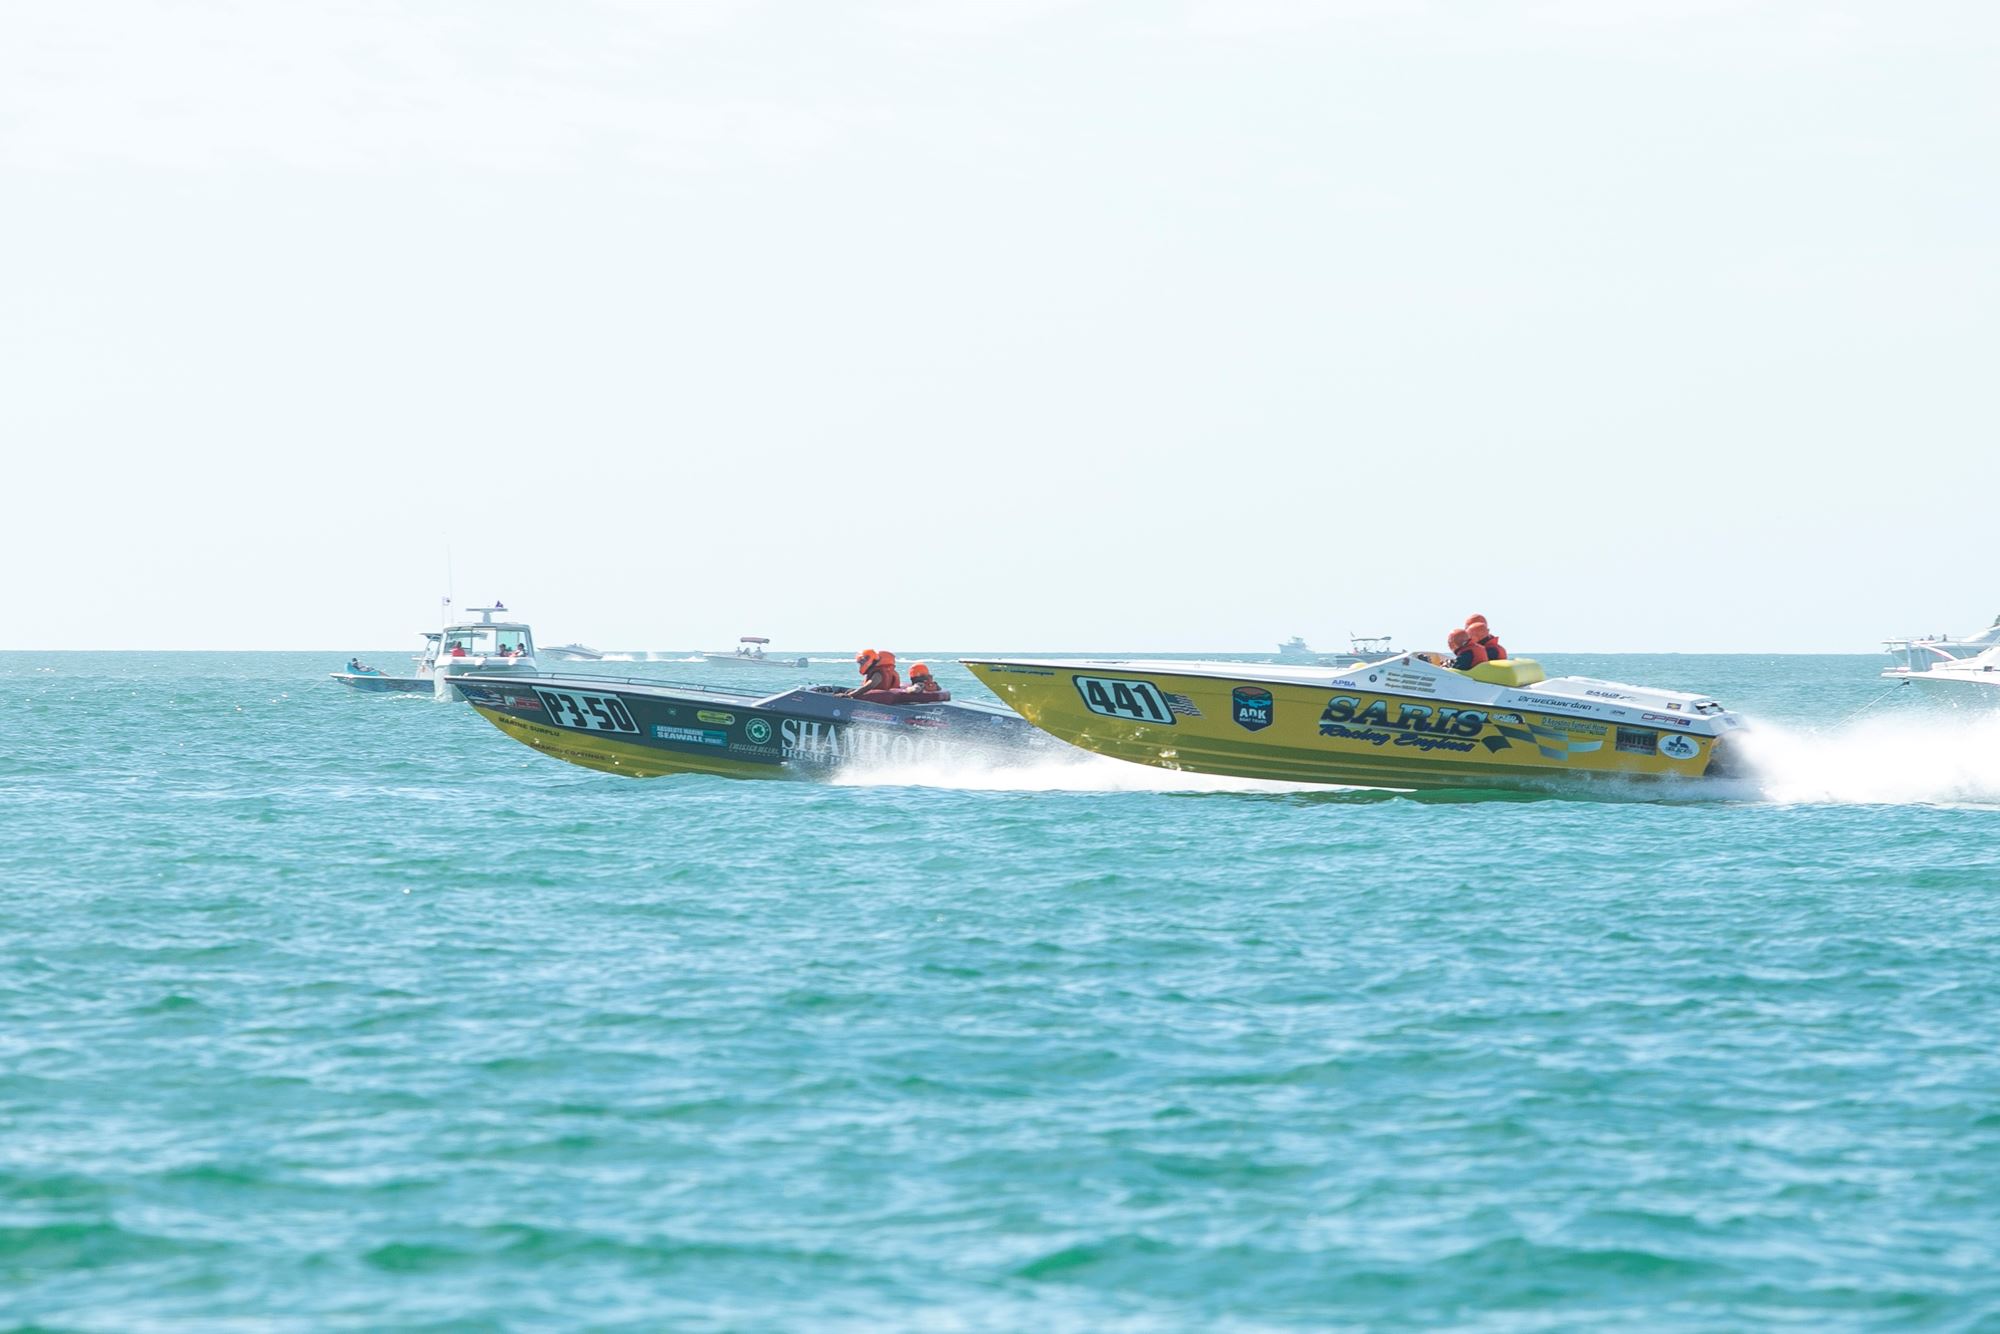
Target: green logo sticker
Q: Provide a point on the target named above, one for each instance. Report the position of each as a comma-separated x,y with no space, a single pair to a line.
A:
757,730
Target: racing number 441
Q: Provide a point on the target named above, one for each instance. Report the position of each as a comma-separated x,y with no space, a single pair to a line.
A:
1139,701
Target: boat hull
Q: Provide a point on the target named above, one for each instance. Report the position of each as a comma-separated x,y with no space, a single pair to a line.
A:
1959,689
1357,729
371,684
644,729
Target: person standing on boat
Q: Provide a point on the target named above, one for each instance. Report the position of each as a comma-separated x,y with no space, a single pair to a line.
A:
1476,628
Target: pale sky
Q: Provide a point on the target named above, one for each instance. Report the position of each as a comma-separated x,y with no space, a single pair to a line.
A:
1052,324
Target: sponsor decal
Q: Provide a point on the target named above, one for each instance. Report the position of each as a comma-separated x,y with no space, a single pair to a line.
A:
690,736
1138,701
1663,718
1673,706
1416,683
808,741
998,667
1419,726
1608,694
1678,747
719,719
524,702
1543,702
1578,726
1180,704
1635,742
1424,727
758,731
1251,706
587,711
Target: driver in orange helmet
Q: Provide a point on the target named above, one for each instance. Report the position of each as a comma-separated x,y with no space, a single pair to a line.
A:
1477,631
878,671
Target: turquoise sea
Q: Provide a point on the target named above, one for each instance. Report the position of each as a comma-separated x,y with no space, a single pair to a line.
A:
324,1011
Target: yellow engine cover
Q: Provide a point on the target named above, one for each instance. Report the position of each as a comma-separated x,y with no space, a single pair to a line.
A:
1509,672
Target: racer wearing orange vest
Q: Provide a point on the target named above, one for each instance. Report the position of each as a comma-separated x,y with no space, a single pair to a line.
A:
1476,629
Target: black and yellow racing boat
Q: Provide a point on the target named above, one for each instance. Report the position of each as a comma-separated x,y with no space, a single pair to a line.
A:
1401,722
643,729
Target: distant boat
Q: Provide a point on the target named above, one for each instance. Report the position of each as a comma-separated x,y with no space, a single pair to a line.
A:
1966,667
485,645
574,653
750,650
1360,648
1917,654
1976,678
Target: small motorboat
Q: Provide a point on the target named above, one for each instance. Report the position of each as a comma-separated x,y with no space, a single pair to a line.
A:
574,653
644,729
488,646
375,681
1400,722
1360,648
1974,680
750,651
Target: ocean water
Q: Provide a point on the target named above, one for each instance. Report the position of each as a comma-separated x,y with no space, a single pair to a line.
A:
327,1011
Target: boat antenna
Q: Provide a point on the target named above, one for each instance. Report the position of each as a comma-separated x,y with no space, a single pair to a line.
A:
444,616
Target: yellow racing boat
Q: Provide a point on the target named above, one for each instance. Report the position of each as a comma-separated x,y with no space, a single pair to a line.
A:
1401,722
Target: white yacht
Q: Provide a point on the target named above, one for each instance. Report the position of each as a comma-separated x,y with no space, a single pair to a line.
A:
1975,679
1956,667
486,646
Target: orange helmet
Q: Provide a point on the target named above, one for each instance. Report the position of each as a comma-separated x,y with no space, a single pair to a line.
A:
1474,619
921,669
1458,639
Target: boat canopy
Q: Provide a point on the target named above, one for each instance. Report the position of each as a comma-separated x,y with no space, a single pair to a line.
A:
487,637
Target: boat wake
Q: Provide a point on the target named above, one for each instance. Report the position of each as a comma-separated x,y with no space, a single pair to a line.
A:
1077,773
1933,760
1896,760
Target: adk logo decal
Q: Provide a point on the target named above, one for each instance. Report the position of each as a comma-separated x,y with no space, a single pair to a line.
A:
758,731
1675,746
1251,706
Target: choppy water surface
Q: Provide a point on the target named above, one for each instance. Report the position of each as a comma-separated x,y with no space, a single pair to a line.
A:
328,1011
